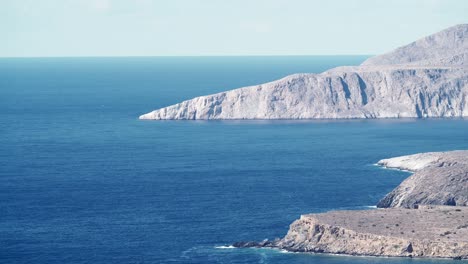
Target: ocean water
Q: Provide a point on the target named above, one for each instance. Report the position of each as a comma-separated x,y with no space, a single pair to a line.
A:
82,180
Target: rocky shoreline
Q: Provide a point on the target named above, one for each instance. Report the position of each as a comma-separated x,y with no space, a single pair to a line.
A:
440,178
418,225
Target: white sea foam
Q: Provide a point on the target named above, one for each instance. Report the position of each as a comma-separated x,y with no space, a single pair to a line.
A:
393,168
225,247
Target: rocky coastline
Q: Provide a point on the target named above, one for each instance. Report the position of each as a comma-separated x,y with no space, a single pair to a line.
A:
407,224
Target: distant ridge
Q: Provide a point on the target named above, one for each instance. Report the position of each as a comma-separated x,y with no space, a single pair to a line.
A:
427,78
439,48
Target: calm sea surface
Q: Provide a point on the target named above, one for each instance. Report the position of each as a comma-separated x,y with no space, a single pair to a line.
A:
82,180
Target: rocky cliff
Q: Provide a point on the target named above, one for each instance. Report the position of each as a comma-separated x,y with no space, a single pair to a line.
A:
425,232
440,178
428,78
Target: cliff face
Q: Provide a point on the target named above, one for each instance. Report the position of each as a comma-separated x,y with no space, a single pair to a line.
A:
360,93
427,78
426,232
440,178
310,234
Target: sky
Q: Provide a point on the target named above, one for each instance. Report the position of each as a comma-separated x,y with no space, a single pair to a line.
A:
65,28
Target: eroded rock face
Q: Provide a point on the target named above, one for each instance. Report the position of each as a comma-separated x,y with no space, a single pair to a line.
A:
425,232
383,93
428,78
430,231
440,178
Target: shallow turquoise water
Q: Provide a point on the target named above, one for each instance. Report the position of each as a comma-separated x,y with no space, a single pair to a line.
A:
82,180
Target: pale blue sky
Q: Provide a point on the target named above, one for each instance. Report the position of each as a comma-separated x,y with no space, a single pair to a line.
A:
216,27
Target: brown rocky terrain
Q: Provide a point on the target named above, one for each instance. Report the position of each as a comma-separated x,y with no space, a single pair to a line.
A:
440,231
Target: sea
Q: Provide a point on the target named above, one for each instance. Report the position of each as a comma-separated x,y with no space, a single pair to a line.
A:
82,180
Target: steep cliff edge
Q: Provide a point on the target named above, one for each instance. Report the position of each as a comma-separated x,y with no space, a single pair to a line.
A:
425,232
363,93
440,178
428,78
429,231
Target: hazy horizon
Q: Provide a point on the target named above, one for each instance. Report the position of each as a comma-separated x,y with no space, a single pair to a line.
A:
187,56
117,28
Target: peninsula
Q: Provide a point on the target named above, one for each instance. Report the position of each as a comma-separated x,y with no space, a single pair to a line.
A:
427,78
426,216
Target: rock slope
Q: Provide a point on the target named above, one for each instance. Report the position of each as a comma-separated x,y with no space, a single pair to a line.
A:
440,178
427,78
427,230
448,47
430,231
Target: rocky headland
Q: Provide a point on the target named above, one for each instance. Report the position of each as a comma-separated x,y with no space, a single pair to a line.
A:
440,178
427,78
426,216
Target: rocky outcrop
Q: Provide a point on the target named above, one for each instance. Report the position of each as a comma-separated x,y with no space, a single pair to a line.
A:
430,229
428,78
440,178
426,232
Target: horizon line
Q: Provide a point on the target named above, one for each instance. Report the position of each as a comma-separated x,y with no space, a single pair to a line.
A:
180,56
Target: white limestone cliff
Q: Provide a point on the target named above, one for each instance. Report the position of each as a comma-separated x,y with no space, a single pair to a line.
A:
427,78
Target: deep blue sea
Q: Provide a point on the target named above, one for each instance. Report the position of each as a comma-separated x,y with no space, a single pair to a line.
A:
82,180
